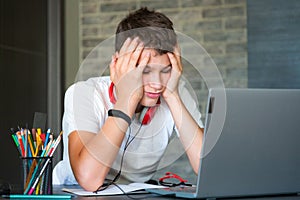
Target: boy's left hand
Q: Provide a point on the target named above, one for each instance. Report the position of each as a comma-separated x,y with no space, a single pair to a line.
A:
172,85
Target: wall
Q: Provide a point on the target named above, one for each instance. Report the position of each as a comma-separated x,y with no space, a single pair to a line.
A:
274,43
71,41
23,71
30,73
218,25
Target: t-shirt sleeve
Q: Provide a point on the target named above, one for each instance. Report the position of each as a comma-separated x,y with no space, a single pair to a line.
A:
80,109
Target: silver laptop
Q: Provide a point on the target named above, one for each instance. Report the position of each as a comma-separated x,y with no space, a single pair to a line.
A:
251,145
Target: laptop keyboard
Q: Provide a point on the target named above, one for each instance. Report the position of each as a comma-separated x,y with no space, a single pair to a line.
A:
187,189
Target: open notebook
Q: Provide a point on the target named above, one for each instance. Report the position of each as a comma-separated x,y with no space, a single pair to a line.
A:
113,190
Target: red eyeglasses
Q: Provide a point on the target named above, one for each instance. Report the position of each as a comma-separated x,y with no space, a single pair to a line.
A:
174,180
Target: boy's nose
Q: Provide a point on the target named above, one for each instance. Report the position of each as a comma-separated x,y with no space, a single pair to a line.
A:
155,85
156,82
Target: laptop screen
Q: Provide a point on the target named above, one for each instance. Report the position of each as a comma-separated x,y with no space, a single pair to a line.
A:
256,150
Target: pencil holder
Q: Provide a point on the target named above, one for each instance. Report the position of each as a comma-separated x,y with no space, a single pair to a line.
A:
37,175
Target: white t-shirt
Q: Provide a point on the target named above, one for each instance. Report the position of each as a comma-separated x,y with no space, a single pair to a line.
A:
86,106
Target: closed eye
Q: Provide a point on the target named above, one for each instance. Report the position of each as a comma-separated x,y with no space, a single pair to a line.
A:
167,69
147,70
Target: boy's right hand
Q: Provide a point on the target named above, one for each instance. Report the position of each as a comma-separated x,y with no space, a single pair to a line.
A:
126,74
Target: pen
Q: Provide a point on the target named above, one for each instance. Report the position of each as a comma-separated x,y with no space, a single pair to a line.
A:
21,143
47,137
31,142
38,144
26,141
17,143
43,196
57,141
33,134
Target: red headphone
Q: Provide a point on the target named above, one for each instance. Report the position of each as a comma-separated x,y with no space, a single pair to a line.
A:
147,112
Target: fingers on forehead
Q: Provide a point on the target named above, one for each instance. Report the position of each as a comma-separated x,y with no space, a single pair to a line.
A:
129,45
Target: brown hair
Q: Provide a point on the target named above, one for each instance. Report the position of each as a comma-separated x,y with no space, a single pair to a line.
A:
153,28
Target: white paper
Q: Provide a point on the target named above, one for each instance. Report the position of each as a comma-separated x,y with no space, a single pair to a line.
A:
112,189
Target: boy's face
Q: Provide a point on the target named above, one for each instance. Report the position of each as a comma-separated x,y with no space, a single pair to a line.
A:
155,76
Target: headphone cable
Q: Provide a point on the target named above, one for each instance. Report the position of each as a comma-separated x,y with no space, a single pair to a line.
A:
127,143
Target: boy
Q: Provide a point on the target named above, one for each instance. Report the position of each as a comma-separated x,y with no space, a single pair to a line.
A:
135,110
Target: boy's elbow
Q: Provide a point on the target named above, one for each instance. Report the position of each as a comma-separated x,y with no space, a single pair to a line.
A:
88,181
196,170
195,167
